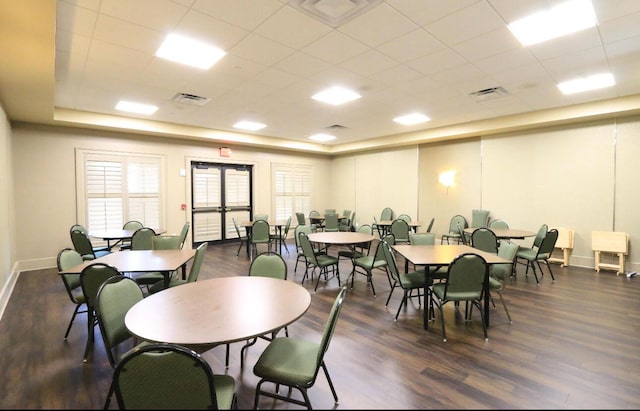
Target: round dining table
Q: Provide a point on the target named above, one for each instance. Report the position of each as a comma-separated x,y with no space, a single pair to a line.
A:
207,313
340,237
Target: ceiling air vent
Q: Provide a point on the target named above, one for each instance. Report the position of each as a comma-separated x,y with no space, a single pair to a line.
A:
335,127
489,93
190,99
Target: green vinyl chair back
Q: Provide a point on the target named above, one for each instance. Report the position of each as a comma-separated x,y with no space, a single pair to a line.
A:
314,260
300,229
365,264
430,226
314,213
142,239
479,218
79,227
500,272
301,219
91,278
498,223
114,298
466,276
386,214
331,222
295,363
260,234
82,244
184,232
405,217
346,213
484,239
542,232
330,211
167,376
264,217
400,229
130,225
243,238
166,242
66,259
422,239
269,264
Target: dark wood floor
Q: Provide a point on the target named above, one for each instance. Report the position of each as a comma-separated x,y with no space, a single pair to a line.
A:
573,344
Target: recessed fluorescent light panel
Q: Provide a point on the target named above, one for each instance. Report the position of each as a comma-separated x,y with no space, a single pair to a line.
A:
193,53
587,83
336,96
410,119
322,137
249,125
558,21
137,108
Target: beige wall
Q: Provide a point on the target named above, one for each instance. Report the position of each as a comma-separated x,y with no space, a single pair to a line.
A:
7,244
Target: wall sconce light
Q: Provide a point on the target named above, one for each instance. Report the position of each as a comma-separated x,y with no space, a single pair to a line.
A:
447,179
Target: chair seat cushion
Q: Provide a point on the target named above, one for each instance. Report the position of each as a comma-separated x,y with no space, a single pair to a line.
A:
324,260
527,253
494,284
438,290
367,262
225,390
415,279
289,361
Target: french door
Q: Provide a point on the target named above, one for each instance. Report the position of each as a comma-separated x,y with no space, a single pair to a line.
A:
220,192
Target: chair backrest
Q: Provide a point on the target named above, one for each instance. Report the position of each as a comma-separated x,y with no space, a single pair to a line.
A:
330,326
386,214
314,213
390,238
132,225
400,229
142,239
194,271
405,217
422,238
260,231
498,223
184,232
269,264
287,226
257,217
457,221
307,248
166,242
466,277
346,213
484,239
331,222
301,229
79,227
479,218
92,277
301,219
66,259
366,229
114,298
82,244
430,226
548,243
330,211
389,256
164,376
507,250
466,239
235,225
542,232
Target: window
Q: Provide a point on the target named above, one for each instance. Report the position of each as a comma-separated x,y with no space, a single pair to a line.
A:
292,190
115,188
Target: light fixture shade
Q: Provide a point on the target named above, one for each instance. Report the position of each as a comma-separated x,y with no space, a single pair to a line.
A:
193,53
336,95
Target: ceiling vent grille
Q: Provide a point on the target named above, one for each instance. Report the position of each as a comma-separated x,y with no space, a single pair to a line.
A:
190,99
489,93
335,127
334,12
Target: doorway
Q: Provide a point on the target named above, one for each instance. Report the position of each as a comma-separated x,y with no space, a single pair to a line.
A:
219,193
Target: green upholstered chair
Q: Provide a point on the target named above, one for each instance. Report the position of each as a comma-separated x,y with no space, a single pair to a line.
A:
456,221
300,228
499,273
331,222
142,239
465,283
357,250
479,218
498,223
115,297
66,259
400,230
243,238
267,264
82,244
295,362
408,282
385,215
264,217
91,278
323,262
167,376
280,239
166,242
484,239
130,225
536,256
260,234
184,232
540,234
302,220
365,264
405,217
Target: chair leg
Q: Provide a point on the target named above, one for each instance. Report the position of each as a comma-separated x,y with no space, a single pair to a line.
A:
91,322
73,317
244,348
506,310
226,359
333,390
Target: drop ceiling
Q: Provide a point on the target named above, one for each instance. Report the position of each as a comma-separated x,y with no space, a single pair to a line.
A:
401,56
